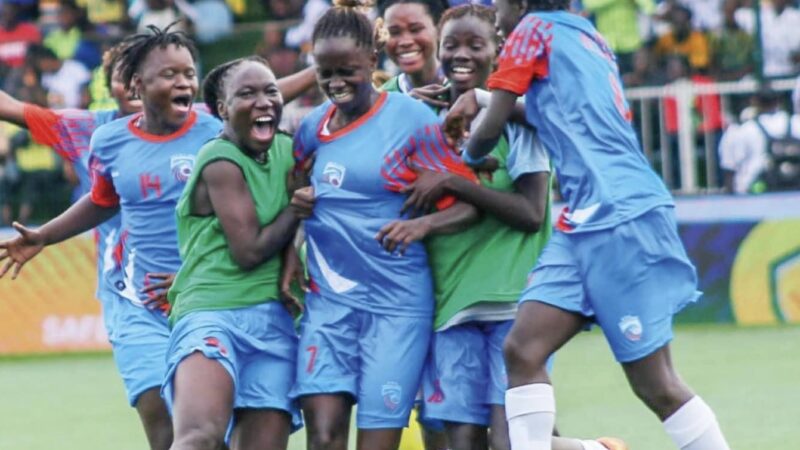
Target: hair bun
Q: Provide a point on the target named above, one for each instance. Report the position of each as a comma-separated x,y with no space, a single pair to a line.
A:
356,4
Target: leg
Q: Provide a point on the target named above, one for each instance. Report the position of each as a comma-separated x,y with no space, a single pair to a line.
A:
155,419
379,439
467,436
327,421
498,430
261,429
202,403
433,439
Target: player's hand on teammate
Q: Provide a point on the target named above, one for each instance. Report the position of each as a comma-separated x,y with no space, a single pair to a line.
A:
398,235
487,167
157,292
433,94
292,273
302,202
300,176
459,118
423,192
20,250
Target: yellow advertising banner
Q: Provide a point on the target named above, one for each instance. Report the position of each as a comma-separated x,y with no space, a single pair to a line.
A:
51,306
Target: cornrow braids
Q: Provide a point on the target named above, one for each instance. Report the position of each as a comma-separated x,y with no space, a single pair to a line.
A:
346,19
214,83
480,12
140,45
435,7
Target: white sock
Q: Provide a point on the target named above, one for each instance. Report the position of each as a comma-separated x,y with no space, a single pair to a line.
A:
531,416
694,427
592,445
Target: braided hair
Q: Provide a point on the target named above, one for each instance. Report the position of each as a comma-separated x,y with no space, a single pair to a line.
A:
214,83
435,7
346,19
111,58
140,45
480,12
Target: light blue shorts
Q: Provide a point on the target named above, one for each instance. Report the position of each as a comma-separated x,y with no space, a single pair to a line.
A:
139,338
256,345
376,358
630,279
465,373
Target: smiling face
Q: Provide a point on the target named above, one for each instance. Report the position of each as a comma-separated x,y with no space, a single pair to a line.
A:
412,37
251,106
344,73
467,52
167,84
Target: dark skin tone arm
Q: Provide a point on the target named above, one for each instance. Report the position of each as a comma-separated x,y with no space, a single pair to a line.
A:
466,104
483,140
398,235
79,218
294,85
222,191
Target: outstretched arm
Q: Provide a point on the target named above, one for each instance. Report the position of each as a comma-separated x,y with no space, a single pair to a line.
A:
294,85
12,110
80,217
483,140
250,244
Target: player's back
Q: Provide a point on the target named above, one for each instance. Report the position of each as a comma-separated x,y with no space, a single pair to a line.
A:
579,109
148,174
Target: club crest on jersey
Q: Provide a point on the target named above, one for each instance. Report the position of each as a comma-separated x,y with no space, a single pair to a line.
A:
333,174
391,392
631,327
181,166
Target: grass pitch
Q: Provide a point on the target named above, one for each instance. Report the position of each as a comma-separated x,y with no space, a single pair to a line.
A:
750,376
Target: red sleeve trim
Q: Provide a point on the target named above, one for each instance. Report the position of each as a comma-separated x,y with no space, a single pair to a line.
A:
42,123
103,192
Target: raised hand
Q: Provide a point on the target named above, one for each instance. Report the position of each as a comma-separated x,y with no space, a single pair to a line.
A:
20,250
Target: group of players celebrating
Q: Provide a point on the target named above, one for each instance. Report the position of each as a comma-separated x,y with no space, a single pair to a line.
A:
422,205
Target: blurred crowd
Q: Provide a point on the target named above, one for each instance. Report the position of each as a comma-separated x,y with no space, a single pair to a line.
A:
51,52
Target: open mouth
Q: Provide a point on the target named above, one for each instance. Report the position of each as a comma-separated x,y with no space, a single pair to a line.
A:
341,96
182,103
263,128
461,73
409,57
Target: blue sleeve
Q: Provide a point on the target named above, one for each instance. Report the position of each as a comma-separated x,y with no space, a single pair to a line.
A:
526,154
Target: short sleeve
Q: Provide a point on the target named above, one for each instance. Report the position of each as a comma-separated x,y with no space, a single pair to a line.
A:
103,192
524,57
427,149
303,144
68,131
526,153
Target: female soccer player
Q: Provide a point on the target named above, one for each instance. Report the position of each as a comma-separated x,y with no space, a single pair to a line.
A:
616,258
368,317
411,43
139,165
479,272
233,347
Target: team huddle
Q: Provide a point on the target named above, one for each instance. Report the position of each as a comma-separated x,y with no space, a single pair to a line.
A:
407,225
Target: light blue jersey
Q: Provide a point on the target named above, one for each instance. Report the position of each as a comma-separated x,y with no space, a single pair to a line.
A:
601,169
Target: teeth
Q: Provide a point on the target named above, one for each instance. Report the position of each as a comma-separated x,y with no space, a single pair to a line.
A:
408,55
340,95
461,70
264,119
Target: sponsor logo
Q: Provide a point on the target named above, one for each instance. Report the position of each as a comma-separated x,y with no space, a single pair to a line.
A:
333,174
181,166
631,327
391,392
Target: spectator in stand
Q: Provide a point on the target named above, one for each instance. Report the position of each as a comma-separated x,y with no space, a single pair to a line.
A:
69,40
706,14
780,35
707,119
15,36
642,71
731,47
682,39
162,13
286,9
109,13
618,22
743,151
64,80
299,36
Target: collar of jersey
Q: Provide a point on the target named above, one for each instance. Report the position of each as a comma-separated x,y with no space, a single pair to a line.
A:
352,125
187,125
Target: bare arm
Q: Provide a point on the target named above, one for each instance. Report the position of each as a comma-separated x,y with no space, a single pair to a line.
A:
230,198
398,235
524,209
483,140
292,86
11,110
